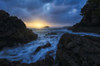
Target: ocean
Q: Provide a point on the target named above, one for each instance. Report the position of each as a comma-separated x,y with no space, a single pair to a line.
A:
26,53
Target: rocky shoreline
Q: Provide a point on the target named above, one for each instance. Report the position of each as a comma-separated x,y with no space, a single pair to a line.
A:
75,50
91,18
72,50
13,31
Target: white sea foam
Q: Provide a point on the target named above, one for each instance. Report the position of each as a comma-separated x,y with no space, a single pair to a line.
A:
25,53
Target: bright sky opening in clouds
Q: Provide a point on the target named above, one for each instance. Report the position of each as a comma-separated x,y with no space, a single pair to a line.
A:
37,23
56,12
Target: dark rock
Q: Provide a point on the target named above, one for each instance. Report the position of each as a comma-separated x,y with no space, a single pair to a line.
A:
91,18
13,31
4,62
75,50
96,39
42,47
46,27
52,33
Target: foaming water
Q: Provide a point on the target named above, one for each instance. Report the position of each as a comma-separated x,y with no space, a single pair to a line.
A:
26,53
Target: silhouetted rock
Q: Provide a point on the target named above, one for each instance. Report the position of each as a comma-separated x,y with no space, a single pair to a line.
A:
52,33
91,18
42,47
46,27
75,50
13,31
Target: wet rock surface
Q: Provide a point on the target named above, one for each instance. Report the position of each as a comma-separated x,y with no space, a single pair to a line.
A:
43,47
13,31
52,33
75,50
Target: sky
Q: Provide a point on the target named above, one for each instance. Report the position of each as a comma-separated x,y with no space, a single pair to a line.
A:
55,12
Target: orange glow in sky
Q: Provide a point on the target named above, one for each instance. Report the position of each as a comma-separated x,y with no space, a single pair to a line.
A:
38,23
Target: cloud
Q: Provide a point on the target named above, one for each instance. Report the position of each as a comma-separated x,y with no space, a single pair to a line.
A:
54,11
46,1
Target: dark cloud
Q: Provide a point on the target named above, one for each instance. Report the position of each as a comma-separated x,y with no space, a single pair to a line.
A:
56,11
46,1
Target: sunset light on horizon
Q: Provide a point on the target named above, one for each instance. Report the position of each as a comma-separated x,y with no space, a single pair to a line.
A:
37,23
49,32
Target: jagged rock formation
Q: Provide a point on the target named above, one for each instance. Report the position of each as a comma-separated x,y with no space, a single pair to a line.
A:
91,18
75,50
13,31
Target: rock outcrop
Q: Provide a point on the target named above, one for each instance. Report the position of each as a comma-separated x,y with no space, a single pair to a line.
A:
46,27
13,31
75,50
42,47
52,33
91,18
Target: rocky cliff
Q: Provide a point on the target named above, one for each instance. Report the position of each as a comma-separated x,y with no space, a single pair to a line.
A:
13,31
75,50
91,18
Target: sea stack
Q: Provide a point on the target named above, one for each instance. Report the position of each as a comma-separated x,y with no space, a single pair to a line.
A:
46,27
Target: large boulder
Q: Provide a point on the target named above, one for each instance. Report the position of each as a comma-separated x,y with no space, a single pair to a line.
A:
75,50
91,18
13,31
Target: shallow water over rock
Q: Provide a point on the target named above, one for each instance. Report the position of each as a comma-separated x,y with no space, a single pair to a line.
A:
26,53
